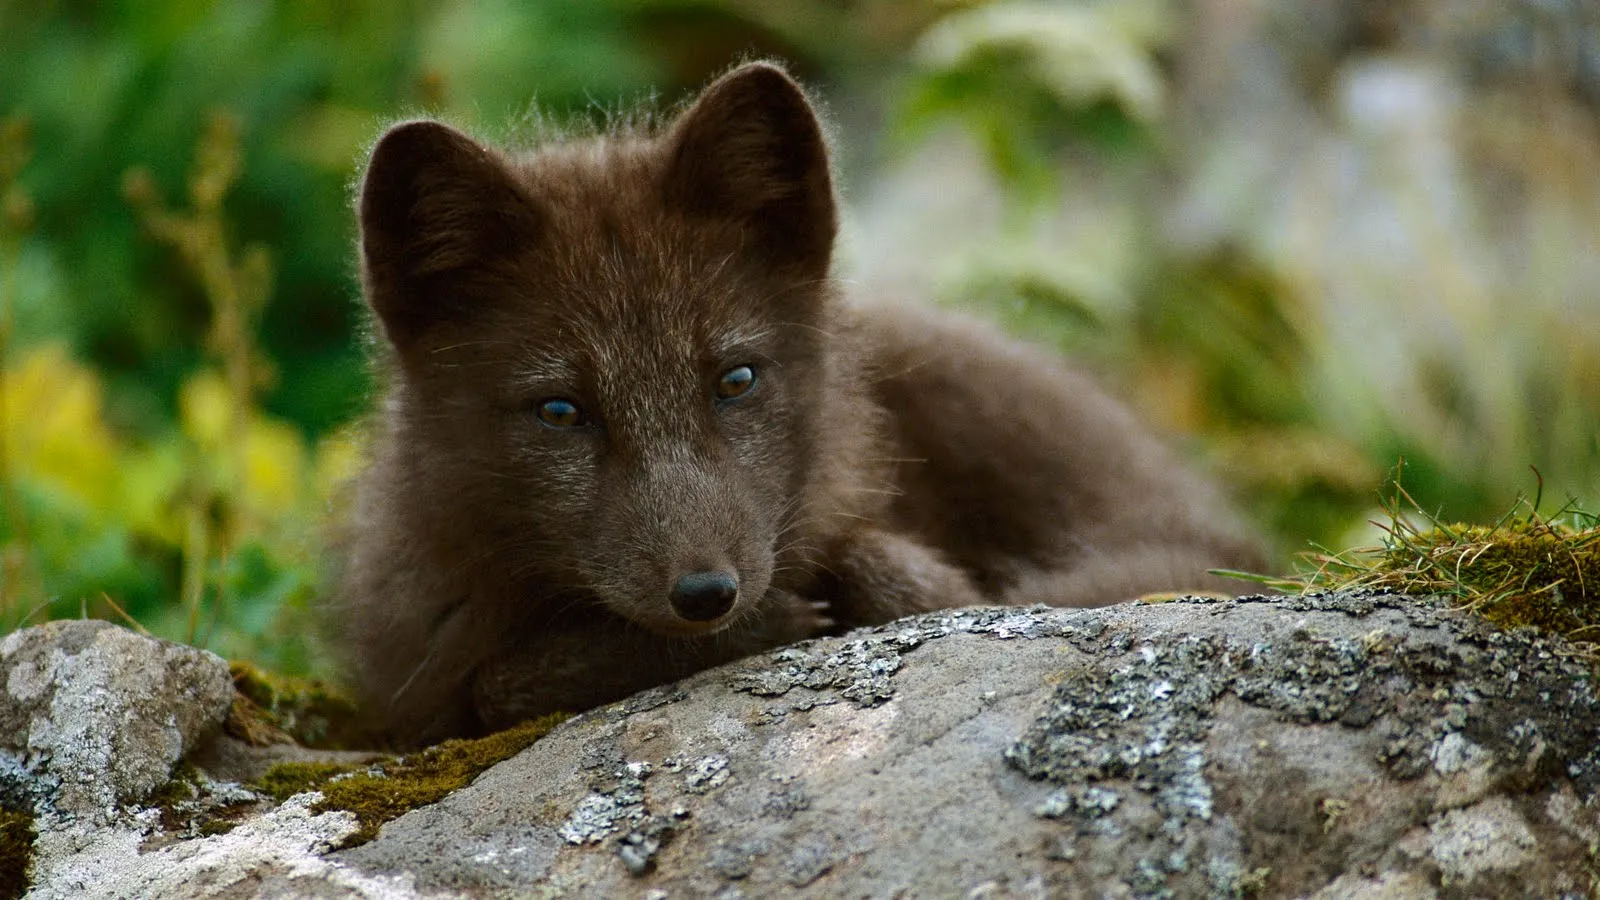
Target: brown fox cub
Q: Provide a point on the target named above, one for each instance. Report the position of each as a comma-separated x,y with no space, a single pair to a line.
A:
632,430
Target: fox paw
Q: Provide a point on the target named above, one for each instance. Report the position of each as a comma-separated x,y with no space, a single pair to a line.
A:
818,617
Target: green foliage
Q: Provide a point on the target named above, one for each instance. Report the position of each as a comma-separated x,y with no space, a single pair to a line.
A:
181,347
1226,343
218,508
1029,79
117,86
1224,348
172,374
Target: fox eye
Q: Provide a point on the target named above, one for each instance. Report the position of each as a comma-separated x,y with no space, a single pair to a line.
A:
558,412
736,382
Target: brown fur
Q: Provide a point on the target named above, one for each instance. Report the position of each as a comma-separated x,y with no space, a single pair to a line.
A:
888,460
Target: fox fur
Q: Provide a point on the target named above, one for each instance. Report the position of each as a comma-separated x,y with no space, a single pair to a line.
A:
555,450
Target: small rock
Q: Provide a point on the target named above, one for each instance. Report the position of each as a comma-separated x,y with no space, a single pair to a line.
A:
93,716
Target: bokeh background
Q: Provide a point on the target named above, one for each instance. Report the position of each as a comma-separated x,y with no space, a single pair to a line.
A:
1308,238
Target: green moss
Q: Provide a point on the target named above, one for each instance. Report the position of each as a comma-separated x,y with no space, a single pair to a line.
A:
171,798
214,827
1523,571
182,788
16,852
310,712
284,780
1525,574
187,809
388,789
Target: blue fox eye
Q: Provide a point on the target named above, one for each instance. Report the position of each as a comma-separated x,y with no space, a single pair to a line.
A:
560,413
736,382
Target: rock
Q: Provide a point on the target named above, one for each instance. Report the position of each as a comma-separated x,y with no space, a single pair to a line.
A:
94,717
1338,745
1184,749
277,854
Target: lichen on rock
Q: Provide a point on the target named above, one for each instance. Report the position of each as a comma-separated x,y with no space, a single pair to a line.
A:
1325,745
93,716
1489,710
858,667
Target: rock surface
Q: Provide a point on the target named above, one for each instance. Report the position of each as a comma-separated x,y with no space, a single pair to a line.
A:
1183,749
1331,746
94,717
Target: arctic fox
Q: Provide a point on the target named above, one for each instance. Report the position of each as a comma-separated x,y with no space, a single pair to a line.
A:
633,428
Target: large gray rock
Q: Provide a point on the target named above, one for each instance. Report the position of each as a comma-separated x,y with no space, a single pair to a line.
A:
94,717
1350,745
1334,746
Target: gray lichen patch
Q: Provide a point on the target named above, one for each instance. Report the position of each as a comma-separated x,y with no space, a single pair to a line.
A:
860,670
643,702
1141,723
617,806
700,775
616,801
1476,712
1488,837
93,716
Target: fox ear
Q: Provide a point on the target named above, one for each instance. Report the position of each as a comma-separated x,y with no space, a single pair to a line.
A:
438,212
750,149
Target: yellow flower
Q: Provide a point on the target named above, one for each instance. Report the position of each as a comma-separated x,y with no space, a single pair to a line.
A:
340,456
152,479
271,455
275,455
54,427
205,411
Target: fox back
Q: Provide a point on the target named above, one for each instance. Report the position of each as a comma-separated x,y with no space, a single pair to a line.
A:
631,429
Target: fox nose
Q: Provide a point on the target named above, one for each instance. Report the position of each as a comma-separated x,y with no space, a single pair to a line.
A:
703,596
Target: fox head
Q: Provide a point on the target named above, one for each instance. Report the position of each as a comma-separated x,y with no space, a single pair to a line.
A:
608,355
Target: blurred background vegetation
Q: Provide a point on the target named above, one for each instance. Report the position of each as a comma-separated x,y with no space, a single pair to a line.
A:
1310,238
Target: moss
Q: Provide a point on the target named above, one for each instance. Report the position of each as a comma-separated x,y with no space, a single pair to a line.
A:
214,827
386,790
1523,571
188,808
182,788
16,852
171,798
248,722
272,707
1527,574
284,780
1254,882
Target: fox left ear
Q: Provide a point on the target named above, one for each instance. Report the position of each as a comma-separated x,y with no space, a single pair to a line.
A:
751,149
438,212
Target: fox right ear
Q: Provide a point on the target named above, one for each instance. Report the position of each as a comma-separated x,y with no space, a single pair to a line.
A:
437,212
751,149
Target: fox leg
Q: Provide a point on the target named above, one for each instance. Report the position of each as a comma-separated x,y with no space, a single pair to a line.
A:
877,577
1120,574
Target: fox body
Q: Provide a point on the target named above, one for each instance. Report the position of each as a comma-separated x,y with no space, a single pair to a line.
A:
633,429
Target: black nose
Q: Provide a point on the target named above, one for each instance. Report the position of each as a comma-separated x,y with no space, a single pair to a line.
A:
703,596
